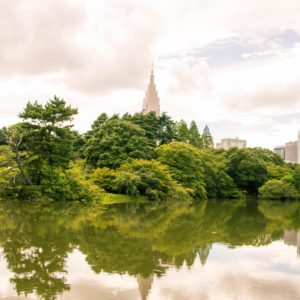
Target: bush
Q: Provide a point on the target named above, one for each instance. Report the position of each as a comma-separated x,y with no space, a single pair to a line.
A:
104,178
69,185
278,190
140,177
186,165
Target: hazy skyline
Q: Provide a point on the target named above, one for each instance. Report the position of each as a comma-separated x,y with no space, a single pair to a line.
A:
234,65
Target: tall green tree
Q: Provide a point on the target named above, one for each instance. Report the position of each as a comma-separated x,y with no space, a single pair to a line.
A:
101,119
116,142
186,165
149,122
194,135
48,138
167,130
247,170
183,132
159,130
207,140
78,144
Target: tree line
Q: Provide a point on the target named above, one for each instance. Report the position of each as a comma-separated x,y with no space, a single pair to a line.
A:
139,155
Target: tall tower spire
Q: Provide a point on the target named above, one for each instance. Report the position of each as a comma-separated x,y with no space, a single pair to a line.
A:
151,100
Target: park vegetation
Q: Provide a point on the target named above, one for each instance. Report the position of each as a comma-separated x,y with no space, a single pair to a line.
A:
141,155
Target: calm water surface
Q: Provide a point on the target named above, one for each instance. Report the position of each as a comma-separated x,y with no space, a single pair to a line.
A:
211,250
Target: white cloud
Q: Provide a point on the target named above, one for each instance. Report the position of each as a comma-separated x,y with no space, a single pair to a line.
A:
97,55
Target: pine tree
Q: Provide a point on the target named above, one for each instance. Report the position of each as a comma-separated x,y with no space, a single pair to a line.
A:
207,140
183,132
167,129
194,135
48,138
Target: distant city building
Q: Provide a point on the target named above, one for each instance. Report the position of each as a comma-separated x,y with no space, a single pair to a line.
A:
291,152
230,143
151,100
280,150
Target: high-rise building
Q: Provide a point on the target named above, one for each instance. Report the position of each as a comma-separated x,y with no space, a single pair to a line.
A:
280,150
291,152
230,143
151,100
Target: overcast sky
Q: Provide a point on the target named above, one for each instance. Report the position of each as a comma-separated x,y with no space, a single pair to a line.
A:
231,64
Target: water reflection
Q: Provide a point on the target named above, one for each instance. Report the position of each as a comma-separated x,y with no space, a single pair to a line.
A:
144,241
292,237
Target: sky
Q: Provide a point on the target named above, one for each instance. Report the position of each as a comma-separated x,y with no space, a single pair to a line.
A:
233,65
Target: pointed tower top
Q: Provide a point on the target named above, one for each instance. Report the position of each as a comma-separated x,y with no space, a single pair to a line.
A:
151,100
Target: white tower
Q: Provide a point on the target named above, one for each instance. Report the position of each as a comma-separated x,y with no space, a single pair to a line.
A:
151,100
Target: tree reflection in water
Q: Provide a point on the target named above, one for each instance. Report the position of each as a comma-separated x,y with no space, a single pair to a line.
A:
135,239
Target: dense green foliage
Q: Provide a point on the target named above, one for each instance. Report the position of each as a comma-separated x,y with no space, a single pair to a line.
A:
140,177
278,190
247,170
140,154
47,133
38,154
186,165
116,142
3,136
8,168
198,170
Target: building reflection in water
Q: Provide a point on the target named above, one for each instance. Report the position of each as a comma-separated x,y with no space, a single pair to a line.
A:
292,237
144,285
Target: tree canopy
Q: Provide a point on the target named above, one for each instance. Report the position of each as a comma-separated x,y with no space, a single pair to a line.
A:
116,142
47,133
139,154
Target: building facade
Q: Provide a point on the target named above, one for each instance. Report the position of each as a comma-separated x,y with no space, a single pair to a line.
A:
280,150
291,152
230,143
151,101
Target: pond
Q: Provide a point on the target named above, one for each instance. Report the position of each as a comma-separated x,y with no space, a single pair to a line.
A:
173,250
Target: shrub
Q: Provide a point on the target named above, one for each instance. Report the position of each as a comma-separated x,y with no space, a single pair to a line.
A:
278,190
186,165
69,185
150,178
140,177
